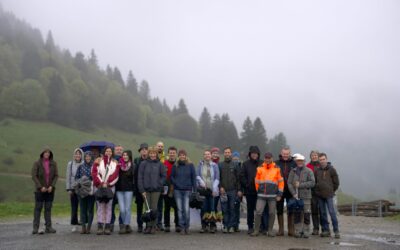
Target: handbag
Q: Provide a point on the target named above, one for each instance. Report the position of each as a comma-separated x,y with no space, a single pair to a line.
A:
104,194
295,205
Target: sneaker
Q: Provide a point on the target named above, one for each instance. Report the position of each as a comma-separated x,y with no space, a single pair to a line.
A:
225,230
73,229
203,229
337,235
167,230
231,230
213,229
50,230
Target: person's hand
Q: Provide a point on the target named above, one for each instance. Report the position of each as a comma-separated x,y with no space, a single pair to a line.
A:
296,184
296,196
202,185
278,198
214,194
70,192
50,189
43,190
144,194
222,190
104,185
240,194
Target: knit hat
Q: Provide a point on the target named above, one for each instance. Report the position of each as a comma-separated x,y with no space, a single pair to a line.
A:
236,154
182,151
215,149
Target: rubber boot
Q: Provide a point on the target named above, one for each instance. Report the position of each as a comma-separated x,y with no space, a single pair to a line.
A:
290,224
107,229
280,223
271,233
100,230
306,231
297,230
128,229
257,223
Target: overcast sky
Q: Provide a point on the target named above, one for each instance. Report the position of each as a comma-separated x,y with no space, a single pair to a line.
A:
326,73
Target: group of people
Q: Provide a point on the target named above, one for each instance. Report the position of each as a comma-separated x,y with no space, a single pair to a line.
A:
161,182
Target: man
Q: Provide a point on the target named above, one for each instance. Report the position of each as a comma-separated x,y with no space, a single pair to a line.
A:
160,204
248,173
327,183
286,164
169,198
238,163
160,150
143,151
118,150
229,190
215,158
269,186
313,165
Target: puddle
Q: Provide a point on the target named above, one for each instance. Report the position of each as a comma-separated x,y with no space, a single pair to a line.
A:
377,239
344,244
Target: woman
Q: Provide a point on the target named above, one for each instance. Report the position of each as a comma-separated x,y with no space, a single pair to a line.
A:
86,200
44,175
301,180
208,181
183,178
314,165
151,179
124,189
105,172
72,166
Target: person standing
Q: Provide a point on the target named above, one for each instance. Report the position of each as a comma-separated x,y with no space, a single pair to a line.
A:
44,175
286,164
229,189
183,178
105,172
314,165
143,155
169,200
301,180
118,150
124,188
269,185
327,183
87,202
208,184
160,204
72,166
151,181
236,160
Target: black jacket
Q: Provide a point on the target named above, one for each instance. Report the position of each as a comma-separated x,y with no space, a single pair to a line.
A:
286,167
229,176
248,172
152,176
126,179
326,181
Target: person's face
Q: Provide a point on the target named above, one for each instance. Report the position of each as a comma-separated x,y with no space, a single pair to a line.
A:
285,154
182,157
215,155
125,156
108,152
95,152
160,147
323,161
207,156
46,155
78,156
144,153
300,163
172,155
88,158
118,150
254,156
227,154
268,160
153,155
314,157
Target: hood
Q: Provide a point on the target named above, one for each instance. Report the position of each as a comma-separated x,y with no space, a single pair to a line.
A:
254,149
91,156
82,158
46,148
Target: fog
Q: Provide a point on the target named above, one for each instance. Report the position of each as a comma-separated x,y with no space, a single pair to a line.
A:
324,73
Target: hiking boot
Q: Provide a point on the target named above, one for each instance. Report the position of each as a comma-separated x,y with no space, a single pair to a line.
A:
231,230
167,230
315,232
50,230
35,230
83,229
203,229
325,234
122,229
213,229
271,234
153,230
255,233
178,229
100,229
147,230
187,231
128,229
250,231
337,235
237,230
111,228
107,229
140,229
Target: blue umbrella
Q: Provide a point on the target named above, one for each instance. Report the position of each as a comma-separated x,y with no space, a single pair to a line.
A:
96,144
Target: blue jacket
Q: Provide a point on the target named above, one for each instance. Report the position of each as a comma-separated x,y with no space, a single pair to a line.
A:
183,176
214,176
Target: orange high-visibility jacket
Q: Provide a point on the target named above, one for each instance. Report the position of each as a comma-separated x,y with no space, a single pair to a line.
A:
268,180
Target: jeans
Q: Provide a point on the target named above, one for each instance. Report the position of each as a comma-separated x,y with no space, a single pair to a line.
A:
160,207
182,203
237,211
208,207
74,208
323,203
228,210
125,204
114,203
169,202
87,209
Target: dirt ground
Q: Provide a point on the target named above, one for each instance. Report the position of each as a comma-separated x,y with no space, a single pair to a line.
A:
357,233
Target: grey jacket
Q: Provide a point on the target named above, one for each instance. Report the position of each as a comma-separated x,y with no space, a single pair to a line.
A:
151,176
306,179
72,167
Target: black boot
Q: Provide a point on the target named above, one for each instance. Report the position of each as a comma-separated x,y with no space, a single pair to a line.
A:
100,229
107,229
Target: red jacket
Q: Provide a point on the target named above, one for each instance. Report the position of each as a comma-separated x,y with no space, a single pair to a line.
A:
313,167
169,166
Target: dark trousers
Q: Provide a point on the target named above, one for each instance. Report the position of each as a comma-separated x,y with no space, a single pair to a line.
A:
74,208
115,202
160,206
169,202
208,207
228,210
237,211
87,209
139,209
316,220
280,204
46,200
251,207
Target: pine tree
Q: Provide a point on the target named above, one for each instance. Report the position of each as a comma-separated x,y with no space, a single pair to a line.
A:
260,135
131,84
93,59
205,126
144,91
247,135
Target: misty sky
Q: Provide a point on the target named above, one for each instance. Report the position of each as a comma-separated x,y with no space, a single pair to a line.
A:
325,73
